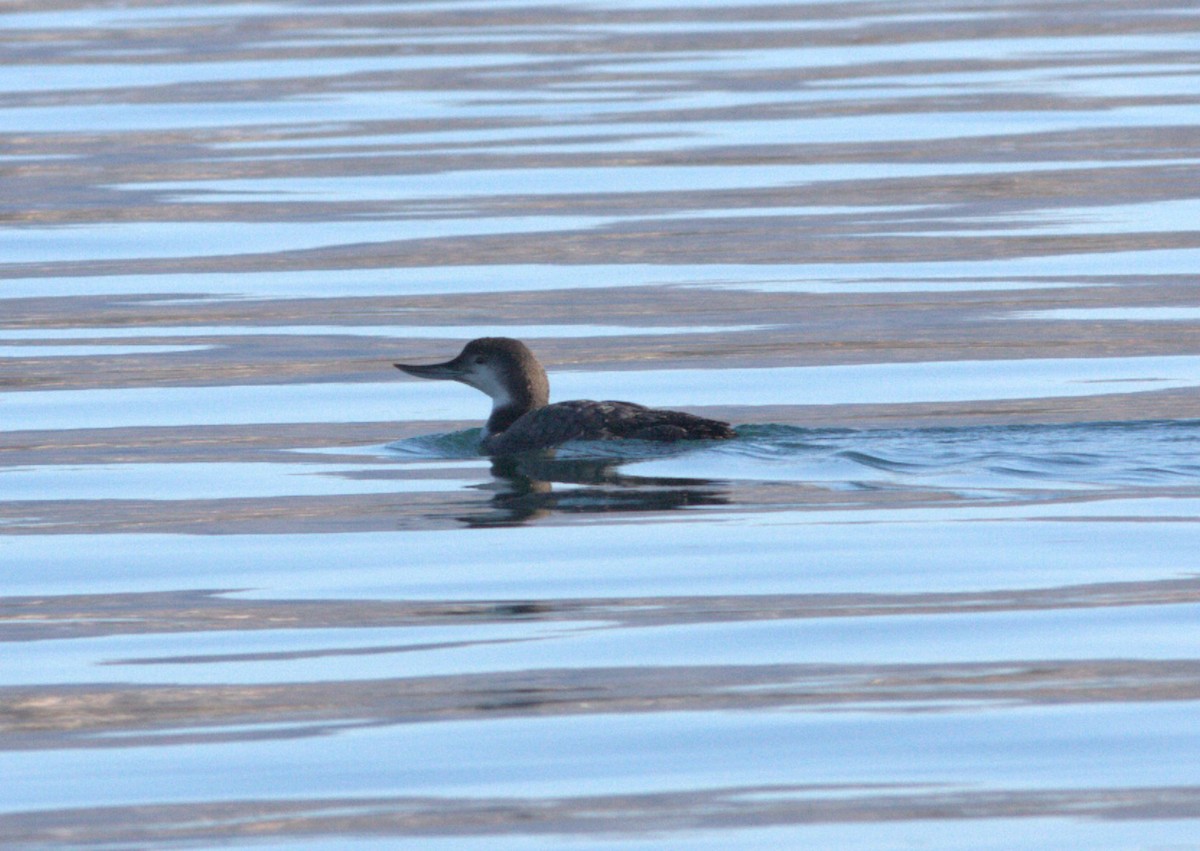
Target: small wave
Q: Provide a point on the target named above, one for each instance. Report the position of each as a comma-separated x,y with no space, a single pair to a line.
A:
626,450
453,444
1090,454
878,462
773,440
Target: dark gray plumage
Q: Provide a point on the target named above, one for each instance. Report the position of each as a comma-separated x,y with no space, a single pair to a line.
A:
522,419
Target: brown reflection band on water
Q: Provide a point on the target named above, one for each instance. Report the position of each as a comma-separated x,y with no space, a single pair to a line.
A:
88,715
120,716
439,511
92,615
663,814
518,503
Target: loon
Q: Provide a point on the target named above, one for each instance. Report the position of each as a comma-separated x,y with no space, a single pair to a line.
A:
522,420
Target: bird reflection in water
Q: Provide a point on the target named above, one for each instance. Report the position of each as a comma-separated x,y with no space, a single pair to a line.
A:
524,489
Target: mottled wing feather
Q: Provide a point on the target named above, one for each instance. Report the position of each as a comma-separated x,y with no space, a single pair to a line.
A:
608,420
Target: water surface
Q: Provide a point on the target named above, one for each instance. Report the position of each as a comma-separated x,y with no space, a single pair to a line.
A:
936,261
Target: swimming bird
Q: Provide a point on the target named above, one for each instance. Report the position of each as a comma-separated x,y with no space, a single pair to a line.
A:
522,418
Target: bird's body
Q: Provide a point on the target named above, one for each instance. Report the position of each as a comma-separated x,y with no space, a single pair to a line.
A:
583,419
522,418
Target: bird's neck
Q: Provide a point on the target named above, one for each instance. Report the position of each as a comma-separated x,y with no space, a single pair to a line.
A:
504,415
516,399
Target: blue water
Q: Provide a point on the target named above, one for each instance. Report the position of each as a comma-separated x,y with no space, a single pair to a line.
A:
936,262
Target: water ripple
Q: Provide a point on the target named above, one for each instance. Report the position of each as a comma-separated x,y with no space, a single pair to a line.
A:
1137,454
1064,456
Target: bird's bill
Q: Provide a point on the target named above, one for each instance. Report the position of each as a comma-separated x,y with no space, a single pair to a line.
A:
452,369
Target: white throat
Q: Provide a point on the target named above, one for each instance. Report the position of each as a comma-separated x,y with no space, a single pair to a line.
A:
490,383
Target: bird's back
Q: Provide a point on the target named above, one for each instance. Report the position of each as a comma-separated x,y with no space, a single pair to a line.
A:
609,420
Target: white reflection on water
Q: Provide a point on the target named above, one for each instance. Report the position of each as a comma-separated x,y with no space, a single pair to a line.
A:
932,49
462,186
128,15
891,383
1176,78
283,655
947,276
978,547
1070,746
33,351
689,133
93,75
402,399
185,481
1167,313
919,125
1165,216
979,834
140,240
1161,632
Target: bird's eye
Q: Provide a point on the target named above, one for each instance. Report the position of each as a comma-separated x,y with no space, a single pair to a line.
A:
480,359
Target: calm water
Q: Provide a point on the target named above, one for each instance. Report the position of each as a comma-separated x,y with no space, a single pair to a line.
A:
936,260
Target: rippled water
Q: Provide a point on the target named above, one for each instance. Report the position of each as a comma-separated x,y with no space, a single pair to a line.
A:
937,261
